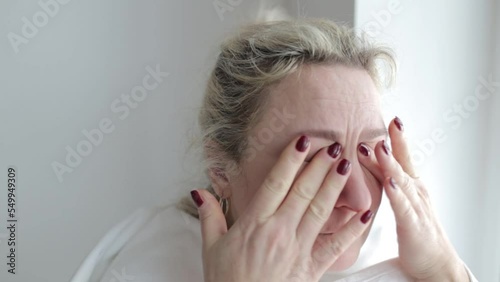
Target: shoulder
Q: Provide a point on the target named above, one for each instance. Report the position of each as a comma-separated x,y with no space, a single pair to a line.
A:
165,247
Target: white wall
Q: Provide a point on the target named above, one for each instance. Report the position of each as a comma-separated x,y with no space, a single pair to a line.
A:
490,221
443,49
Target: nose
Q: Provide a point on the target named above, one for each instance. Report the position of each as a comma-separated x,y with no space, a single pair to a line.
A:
356,193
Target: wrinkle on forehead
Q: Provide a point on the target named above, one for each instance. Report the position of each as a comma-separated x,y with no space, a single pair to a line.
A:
344,85
325,97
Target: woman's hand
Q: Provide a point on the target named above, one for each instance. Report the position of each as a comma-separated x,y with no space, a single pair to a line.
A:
425,252
275,239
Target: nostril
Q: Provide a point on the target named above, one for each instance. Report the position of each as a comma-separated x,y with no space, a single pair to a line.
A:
363,149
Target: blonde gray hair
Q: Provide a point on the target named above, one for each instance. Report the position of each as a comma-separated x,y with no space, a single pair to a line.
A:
260,55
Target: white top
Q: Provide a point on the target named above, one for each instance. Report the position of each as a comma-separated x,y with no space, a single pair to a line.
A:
164,244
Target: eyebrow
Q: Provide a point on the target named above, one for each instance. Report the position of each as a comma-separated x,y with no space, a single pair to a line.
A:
335,135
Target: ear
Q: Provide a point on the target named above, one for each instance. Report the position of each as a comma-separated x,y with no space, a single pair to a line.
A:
220,182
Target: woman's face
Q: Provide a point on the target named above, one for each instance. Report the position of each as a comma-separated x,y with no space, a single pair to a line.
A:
329,104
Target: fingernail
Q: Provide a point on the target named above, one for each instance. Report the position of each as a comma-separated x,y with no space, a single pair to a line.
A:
196,198
366,216
302,143
399,124
393,183
334,150
343,167
385,147
363,149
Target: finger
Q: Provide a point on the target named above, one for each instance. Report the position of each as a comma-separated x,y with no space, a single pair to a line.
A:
391,168
306,186
400,148
367,158
328,249
320,208
404,212
277,183
212,220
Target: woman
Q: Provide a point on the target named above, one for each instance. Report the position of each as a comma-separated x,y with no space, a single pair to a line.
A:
304,193
295,150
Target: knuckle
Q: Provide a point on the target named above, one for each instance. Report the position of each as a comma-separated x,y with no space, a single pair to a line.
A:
408,161
352,232
205,216
406,211
338,185
276,185
277,238
336,248
293,159
406,185
205,213
301,190
318,212
424,193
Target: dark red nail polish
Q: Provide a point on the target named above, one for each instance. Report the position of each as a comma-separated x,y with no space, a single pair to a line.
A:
366,216
384,146
393,183
302,143
399,123
196,198
334,150
343,167
363,149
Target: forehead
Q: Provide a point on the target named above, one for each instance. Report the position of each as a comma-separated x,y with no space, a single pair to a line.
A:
347,86
326,96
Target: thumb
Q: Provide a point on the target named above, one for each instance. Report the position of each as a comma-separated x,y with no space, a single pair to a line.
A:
212,220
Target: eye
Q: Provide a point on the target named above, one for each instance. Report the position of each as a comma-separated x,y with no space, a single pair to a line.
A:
371,144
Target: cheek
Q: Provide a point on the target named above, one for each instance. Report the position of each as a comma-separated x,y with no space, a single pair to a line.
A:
248,183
